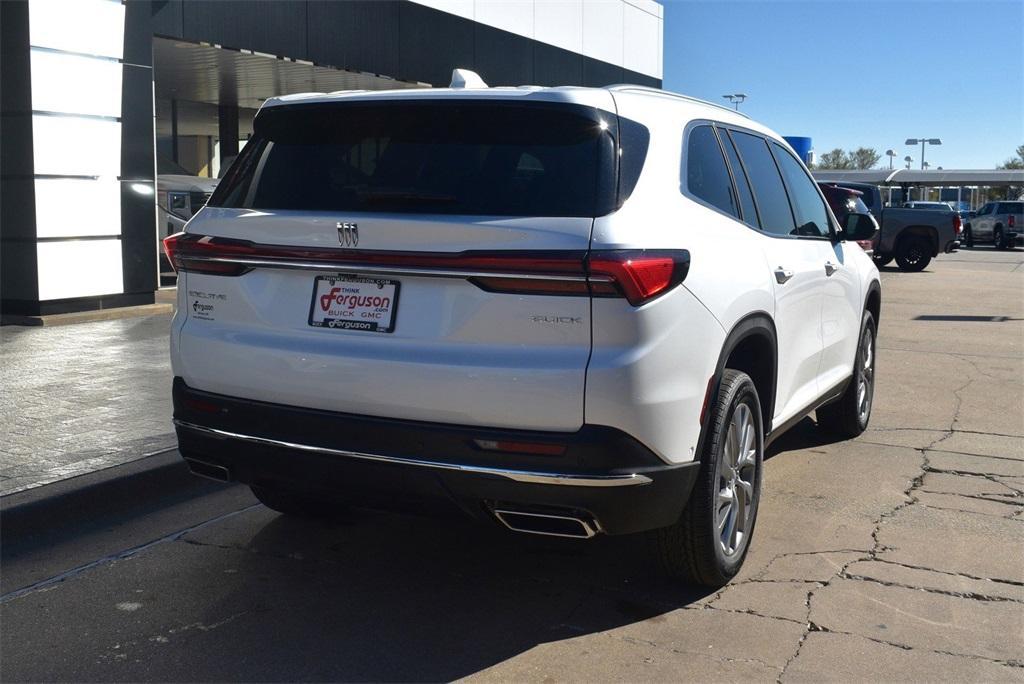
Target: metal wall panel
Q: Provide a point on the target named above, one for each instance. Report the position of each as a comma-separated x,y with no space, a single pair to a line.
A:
276,28
597,73
19,281
138,165
553,66
430,42
167,18
503,58
361,35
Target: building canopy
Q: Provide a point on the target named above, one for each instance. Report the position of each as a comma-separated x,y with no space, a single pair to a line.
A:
933,178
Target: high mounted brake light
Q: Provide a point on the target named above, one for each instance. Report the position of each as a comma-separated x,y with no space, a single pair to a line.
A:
637,275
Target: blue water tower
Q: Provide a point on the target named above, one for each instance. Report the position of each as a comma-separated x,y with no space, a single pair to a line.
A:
802,147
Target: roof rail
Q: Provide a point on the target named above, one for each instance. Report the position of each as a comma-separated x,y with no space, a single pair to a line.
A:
626,87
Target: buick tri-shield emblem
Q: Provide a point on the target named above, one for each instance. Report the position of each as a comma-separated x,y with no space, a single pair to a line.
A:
348,234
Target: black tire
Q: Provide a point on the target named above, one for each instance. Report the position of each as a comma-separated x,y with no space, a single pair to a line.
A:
295,503
913,254
847,417
883,260
692,549
998,239
968,237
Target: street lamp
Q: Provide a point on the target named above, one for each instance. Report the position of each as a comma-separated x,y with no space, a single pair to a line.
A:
891,154
735,99
908,159
923,142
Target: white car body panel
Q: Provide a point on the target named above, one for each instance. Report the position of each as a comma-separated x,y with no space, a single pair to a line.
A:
461,355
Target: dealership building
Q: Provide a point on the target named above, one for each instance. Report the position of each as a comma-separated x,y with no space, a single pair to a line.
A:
99,97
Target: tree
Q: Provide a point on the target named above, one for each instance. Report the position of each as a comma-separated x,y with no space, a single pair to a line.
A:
864,158
836,159
859,159
1014,162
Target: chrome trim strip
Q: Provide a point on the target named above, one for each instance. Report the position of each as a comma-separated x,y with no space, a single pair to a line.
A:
387,270
535,477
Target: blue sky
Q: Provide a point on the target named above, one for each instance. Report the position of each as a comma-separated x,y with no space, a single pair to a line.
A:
862,72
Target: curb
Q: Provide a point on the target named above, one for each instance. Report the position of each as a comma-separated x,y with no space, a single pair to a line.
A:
89,316
113,491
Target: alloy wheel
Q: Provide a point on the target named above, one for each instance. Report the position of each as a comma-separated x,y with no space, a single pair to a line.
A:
866,377
737,473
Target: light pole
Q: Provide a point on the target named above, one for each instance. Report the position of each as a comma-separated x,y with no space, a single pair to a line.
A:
891,154
923,142
908,159
735,99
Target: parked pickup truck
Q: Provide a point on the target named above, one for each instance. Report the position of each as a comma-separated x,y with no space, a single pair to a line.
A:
910,236
997,222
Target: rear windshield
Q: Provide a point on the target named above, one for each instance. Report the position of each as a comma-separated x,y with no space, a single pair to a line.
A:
453,157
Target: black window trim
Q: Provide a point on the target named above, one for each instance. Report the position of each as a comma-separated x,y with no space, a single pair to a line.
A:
684,160
720,131
833,235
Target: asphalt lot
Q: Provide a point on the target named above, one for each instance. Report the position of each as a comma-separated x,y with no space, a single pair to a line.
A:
897,556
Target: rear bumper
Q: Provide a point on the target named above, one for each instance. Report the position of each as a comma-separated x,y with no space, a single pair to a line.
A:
952,246
604,475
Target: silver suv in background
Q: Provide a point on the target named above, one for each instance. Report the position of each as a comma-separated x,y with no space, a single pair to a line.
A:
996,222
180,195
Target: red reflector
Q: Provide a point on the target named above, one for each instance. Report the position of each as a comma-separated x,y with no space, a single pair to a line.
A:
201,406
707,398
538,448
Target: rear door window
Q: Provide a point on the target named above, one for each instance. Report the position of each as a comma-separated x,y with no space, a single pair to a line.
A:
808,206
452,157
770,193
707,176
1011,208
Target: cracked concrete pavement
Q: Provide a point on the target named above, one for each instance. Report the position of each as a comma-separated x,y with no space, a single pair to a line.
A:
896,556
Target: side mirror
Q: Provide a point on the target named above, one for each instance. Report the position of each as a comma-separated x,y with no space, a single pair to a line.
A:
859,227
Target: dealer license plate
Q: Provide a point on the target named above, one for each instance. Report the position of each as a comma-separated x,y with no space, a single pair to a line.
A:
354,303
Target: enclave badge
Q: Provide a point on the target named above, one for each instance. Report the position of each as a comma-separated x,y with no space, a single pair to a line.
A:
348,234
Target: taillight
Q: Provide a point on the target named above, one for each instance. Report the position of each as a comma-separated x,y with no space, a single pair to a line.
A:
637,275
204,254
958,225
1011,221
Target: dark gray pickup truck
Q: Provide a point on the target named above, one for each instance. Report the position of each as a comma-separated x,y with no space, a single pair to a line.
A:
910,236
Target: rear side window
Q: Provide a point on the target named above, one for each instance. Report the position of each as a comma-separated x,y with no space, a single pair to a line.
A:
808,207
1011,208
770,193
452,157
742,184
707,176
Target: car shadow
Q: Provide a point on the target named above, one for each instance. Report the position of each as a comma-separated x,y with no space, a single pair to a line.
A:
388,597
803,435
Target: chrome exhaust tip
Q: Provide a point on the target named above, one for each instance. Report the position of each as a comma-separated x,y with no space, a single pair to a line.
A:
210,471
548,524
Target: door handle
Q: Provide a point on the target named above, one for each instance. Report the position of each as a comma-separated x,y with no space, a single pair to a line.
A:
830,268
782,275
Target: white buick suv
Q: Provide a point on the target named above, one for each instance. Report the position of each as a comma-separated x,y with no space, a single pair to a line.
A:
570,311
